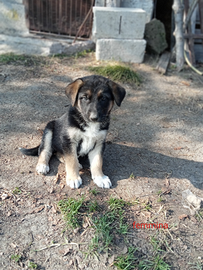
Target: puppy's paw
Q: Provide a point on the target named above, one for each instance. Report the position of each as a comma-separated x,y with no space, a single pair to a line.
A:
74,183
102,181
42,168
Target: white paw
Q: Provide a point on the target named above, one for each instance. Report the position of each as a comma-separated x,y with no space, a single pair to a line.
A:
74,183
42,168
102,181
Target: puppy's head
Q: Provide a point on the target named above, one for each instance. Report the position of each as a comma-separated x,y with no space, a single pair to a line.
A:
94,96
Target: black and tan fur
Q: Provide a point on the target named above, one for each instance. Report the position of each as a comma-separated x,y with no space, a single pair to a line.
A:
82,130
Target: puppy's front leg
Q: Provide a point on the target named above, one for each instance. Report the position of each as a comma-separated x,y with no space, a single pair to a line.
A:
96,162
73,178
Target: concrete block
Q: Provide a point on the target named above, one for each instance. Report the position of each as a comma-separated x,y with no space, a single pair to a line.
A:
12,18
118,23
125,50
100,3
146,5
107,3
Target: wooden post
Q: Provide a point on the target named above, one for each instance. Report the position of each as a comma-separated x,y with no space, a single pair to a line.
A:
178,14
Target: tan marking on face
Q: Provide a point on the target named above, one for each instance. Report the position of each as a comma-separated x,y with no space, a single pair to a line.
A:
100,92
110,106
88,93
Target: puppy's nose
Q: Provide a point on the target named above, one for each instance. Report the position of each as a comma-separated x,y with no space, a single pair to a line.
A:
93,116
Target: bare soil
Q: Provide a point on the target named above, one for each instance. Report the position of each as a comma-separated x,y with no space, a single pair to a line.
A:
154,146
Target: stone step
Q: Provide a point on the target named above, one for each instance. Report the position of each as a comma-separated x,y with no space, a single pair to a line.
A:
118,23
41,46
125,50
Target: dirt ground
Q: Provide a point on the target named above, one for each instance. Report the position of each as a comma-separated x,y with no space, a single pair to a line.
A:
154,147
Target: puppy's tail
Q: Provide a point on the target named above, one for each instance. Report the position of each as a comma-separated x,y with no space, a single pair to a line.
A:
30,152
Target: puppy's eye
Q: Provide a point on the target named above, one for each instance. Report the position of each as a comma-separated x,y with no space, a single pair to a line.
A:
85,98
103,98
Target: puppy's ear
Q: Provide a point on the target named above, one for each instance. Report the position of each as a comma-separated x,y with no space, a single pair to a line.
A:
117,91
72,90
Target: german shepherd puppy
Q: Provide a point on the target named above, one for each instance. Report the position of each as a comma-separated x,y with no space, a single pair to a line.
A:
81,131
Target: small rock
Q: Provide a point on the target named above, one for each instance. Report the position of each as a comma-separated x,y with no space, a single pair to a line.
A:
51,190
85,225
155,36
111,259
76,230
191,201
193,219
183,217
124,250
13,245
62,185
66,251
4,196
81,266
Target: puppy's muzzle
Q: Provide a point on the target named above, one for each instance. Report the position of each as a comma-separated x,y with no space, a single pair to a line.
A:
94,117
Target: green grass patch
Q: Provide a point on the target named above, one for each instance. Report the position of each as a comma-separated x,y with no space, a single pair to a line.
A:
116,204
103,226
17,191
110,223
119,73
107,225
74,209
147,206
94,191
155,263
160,199
60,55
76,55
128,261
70,209
196,265
16,257
26,60
92,206
82,54
32,265
7,58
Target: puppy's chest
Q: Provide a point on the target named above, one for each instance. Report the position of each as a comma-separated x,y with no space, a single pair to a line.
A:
87,140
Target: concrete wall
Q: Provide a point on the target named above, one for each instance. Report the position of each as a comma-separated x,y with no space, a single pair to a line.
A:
146,5
107,3
12,18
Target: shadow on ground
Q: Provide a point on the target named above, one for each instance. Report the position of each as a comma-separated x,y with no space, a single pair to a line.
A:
121,161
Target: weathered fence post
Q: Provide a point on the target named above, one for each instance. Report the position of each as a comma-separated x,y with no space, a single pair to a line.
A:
178,14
